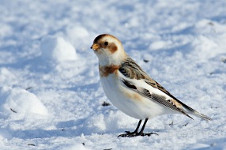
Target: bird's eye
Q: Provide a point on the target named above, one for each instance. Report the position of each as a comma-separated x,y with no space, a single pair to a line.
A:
106,43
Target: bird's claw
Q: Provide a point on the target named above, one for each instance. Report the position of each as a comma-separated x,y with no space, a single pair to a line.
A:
133,134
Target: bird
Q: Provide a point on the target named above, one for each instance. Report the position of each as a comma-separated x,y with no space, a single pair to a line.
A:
131,89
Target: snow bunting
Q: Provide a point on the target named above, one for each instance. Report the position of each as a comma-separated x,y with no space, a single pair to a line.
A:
130,89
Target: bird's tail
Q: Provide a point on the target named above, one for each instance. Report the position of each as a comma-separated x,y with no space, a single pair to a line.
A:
190,110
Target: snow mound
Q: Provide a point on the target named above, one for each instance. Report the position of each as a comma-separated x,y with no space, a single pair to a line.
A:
20,102
79,36
57,49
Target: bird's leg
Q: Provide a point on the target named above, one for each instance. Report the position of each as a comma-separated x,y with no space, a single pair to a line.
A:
136,133
136,130
141,133
142,129
131,134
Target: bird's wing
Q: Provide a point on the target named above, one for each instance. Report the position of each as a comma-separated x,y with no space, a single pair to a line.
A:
169,103
131,71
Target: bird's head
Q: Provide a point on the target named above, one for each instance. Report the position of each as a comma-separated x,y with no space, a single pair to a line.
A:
108,49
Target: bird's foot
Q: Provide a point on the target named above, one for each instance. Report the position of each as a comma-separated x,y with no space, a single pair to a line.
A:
148,134
133,134
128,134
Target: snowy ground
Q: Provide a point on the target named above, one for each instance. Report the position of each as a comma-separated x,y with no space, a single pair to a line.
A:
50,94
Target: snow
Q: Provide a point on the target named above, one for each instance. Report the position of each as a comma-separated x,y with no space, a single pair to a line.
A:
22,102
50,94
57,49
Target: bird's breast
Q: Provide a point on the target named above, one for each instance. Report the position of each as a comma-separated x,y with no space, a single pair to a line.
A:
105,71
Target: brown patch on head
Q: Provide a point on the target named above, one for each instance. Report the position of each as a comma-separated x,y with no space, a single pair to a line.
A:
101,36
107,70
113,48
102,42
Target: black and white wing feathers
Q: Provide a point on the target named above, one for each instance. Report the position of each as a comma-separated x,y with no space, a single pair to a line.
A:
131,71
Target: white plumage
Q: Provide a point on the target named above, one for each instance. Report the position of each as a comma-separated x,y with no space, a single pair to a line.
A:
130,89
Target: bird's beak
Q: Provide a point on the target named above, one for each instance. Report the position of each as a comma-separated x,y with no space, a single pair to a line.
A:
95,47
